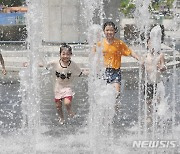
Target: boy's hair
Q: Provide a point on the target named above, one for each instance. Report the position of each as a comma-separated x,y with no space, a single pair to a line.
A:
64,45
162,32
110,23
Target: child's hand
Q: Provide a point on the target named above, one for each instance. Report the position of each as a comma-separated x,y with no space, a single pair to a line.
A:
163,68
85,71
25,64
4,71
141,63
40,64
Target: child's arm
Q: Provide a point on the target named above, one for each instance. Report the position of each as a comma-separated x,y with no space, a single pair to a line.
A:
142,61
2,63
26,64
134,55
40,64
162,63
84,72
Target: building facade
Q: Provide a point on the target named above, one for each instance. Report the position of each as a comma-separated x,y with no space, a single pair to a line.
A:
66,20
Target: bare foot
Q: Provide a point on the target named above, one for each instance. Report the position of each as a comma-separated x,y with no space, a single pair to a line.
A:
72,114
149,120
3,71
61,121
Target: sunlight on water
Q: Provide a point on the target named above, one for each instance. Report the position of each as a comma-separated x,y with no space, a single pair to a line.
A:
97,129
102,102
155,36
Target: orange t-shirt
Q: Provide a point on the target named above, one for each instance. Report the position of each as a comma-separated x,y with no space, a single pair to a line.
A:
112,53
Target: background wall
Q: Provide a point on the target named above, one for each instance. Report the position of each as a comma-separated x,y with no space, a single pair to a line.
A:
63,19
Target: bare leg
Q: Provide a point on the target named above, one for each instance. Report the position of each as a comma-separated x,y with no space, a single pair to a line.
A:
117,86
117,104
59,109
67,103
149,111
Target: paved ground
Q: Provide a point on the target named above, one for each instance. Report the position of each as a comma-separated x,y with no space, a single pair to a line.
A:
47,136
73,136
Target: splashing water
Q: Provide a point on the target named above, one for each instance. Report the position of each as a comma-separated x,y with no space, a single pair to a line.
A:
98,135
163,108
94,34
101,97
142,14
155,36
90,6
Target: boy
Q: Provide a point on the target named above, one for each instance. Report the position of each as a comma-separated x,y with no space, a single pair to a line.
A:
154,65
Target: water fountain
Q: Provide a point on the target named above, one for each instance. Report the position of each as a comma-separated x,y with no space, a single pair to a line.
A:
163,123
98,129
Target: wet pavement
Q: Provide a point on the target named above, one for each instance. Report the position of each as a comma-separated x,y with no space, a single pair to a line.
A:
10,106
11,111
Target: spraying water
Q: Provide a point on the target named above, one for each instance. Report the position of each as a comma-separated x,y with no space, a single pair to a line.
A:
100,132
155,36
101,97
141,12
30,78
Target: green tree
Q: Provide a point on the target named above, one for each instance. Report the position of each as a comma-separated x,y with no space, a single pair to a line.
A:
169,3
126,7
157,4
11,2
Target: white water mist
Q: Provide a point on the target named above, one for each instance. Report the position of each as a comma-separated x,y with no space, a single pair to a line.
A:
30,77
142,22
101,96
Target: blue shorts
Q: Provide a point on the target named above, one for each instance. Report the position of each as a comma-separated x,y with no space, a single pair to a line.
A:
113,75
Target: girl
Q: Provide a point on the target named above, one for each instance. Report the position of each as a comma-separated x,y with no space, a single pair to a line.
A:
64,70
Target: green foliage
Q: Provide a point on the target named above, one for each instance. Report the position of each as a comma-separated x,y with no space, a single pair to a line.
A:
11,3
156,5
169,3
124,3
126,7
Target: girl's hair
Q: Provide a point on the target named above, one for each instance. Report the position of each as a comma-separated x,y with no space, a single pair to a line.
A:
64,45
110,23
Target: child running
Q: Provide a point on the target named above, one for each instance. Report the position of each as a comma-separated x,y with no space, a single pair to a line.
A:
113,49
65,70
154,64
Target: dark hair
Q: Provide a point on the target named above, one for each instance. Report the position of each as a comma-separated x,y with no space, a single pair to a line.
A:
64,45
162,32
110,23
